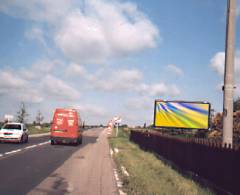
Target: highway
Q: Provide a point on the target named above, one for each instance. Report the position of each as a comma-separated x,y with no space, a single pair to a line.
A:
40,168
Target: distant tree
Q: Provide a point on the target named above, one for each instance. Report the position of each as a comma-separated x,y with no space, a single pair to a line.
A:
124,125
22,113
144,125
217,121
39,118
236,121
236,104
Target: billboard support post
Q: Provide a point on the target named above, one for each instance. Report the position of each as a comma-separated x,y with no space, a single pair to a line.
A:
229,75
117,130
117,120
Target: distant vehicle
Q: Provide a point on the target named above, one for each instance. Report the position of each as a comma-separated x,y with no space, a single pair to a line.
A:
66,127
14,132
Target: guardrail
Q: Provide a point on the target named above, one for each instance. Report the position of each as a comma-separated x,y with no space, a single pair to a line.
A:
206,158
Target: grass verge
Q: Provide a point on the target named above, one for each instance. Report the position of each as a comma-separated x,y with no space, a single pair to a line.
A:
34,130
148,174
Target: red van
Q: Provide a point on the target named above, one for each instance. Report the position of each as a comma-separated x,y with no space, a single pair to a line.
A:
66,127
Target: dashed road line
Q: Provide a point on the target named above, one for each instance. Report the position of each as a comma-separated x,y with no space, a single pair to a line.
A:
43,143
118,181
14,151
122,193
26,148
116,150
111,152
124,170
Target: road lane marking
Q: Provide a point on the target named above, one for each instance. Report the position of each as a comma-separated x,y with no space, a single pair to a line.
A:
28,147
111,152
43,143
116,150
118,182
124,170
122,193
14,151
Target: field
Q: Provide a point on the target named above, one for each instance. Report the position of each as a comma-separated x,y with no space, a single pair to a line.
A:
36,130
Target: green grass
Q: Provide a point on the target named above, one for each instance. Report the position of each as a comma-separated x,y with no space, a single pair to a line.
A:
33,130
148,174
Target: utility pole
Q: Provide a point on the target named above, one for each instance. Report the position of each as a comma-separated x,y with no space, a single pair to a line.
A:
229,74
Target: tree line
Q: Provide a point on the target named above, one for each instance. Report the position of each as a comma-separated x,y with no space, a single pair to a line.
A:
217,120
22,115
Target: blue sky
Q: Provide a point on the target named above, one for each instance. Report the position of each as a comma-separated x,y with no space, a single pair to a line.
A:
109,58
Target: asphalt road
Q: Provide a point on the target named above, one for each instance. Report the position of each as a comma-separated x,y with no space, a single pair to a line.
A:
40,168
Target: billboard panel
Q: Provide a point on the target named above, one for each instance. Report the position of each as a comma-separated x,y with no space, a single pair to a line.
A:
180,114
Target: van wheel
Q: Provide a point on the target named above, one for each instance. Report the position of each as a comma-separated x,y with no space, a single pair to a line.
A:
52,142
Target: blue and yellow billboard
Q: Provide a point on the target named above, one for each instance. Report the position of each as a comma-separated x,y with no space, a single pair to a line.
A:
179,114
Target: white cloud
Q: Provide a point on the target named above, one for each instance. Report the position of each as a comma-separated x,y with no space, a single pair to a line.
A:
91,110
13,85
76,70
89,31
36,33
139,103
39,69
58,89
105,29
10,80
29,94
218,62
131,80
159,89
117,80
44,10
36,83
176,70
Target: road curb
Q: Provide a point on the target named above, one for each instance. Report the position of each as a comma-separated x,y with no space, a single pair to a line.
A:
39,135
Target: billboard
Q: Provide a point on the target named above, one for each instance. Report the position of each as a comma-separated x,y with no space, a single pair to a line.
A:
180,114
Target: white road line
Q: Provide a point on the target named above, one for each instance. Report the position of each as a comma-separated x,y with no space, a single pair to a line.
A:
28,147
124,170
119,182
122,193
14,151
111,152
116,150
43,143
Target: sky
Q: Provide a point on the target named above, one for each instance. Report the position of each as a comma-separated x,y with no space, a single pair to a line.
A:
111,58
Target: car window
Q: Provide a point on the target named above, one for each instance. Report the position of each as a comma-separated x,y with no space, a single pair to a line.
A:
12,127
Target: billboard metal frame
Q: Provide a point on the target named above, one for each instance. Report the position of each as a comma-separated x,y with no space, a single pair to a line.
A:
179,128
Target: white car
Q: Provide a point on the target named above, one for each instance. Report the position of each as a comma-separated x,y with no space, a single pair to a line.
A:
14,132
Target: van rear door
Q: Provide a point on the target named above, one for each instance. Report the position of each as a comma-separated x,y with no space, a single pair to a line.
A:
65,125
59,124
